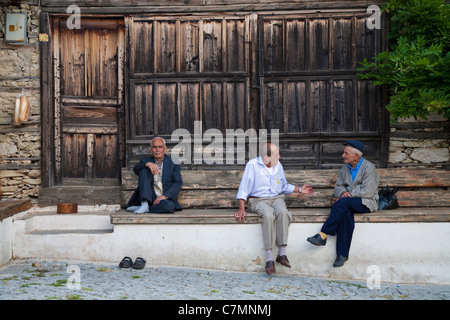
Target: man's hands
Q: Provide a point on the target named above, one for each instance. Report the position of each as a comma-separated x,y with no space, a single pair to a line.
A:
345,194
240,214
159,199
307,189
153,167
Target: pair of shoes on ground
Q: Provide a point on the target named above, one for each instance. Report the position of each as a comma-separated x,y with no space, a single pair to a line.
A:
127,262
270,265
318,241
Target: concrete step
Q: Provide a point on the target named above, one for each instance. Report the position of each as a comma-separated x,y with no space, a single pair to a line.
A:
49,221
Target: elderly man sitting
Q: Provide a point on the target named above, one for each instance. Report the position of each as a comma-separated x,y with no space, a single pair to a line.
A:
265,185
159,182
357,192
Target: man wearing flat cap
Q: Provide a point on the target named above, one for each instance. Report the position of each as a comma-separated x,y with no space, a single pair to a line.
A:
356,191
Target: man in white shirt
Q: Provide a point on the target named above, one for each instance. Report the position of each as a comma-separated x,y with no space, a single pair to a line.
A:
264,184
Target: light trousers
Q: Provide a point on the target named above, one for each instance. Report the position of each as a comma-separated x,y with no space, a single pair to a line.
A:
275,219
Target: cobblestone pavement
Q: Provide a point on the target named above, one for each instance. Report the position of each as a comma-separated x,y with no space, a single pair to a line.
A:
67,280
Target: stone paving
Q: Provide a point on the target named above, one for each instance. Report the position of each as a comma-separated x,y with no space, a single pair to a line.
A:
81,280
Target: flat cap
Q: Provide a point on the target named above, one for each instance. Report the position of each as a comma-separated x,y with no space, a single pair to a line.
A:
355,144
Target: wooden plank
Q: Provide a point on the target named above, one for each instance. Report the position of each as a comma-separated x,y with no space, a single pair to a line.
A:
414,177
322,198
9,207
47,102
217,188
82,194
226,216
326,178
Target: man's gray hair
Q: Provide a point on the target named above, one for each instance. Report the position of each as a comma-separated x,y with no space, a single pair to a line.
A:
155,138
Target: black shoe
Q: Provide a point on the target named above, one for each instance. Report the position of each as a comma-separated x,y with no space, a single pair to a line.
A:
139,263
317,240
339,262
126,262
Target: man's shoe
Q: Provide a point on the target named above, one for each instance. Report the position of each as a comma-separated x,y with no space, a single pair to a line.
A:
270,267
317,240
283,260
340,260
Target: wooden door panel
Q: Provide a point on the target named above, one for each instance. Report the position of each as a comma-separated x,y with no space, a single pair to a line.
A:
106,160
89,100
74,160
92,115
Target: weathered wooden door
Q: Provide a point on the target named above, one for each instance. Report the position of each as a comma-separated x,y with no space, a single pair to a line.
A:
294,72
186,69
88,101
310,88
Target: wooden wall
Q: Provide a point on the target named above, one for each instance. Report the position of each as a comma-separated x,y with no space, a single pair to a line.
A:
294,72
284,65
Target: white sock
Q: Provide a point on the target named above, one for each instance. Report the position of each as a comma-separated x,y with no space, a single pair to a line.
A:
282,251
269,256
133,208
143,208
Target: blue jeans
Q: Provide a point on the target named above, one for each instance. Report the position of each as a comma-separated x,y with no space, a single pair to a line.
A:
341,222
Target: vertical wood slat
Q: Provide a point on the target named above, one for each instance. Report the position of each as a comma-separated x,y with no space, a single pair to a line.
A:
47,102
57,101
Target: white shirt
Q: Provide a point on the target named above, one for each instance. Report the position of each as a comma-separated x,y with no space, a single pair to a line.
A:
262,182
157,181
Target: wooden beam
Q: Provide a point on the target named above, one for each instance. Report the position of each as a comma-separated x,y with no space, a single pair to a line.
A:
9,207
311,215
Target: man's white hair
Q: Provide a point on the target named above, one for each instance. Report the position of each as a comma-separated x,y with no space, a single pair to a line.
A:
155,138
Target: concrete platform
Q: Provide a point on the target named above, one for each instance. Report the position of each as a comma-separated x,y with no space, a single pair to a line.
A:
401,252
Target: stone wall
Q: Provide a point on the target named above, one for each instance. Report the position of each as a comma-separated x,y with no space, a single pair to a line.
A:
412,143
420,143
19,72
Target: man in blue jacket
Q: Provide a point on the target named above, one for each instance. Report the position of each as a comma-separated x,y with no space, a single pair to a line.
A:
159,182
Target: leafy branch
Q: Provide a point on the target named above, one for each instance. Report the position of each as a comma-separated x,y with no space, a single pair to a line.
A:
417,69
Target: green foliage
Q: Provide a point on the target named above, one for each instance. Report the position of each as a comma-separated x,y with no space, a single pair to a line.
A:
417,69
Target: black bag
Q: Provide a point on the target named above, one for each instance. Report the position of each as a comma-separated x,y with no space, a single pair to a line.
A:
388,199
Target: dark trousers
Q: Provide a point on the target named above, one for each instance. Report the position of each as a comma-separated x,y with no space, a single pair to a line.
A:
341,222
146,192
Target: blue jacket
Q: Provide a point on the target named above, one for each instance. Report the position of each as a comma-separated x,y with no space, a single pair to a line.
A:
171,180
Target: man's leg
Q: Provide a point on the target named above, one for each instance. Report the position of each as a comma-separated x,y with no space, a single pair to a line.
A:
146,191
146,184
283,219
341,222
265,211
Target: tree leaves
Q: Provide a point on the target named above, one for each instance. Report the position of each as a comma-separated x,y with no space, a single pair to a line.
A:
417,69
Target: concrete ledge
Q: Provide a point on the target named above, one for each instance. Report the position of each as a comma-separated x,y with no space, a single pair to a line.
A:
396,252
